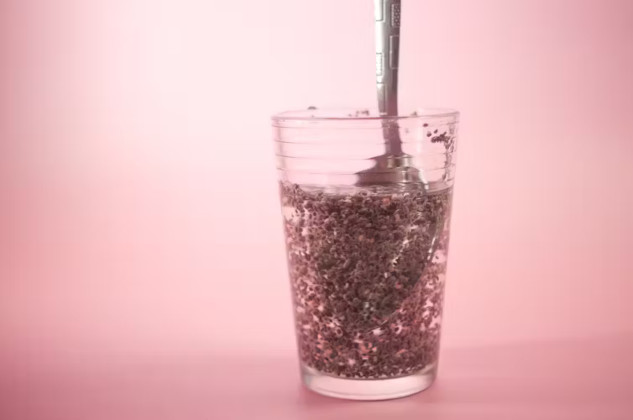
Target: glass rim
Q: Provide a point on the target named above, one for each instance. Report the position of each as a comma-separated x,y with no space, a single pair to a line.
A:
360,114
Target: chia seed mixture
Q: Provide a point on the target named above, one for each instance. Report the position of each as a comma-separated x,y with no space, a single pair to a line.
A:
367,270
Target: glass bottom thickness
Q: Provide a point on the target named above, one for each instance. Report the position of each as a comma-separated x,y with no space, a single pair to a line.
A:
368,389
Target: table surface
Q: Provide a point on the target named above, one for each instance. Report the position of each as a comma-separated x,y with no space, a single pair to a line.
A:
565,379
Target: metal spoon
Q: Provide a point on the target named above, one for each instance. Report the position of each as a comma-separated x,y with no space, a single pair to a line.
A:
393,166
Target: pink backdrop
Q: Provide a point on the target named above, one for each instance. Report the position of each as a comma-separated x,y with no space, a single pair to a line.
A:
139,198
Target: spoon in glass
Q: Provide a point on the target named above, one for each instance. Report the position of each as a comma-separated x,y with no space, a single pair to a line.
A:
393,166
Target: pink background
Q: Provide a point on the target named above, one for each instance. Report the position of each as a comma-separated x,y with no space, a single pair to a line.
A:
139,214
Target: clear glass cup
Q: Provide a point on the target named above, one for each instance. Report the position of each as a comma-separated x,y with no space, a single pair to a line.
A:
366,262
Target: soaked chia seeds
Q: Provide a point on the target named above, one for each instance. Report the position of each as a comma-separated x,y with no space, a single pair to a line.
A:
367,272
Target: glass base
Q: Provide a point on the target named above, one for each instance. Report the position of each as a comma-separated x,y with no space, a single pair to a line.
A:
368,389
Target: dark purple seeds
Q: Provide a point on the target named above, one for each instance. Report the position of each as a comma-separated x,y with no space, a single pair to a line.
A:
367,270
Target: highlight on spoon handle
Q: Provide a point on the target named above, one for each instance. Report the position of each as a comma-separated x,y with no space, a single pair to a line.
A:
388,15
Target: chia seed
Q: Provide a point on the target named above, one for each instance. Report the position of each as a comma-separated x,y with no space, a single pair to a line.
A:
367,267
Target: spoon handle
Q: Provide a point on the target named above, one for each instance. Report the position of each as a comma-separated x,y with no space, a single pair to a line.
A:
387,14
